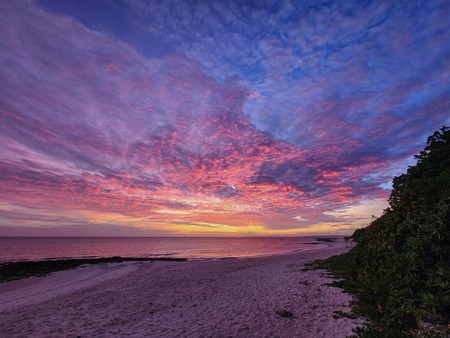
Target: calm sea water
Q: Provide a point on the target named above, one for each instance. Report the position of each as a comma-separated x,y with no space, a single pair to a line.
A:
32,248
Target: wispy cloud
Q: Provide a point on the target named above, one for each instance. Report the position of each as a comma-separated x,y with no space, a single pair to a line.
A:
248,118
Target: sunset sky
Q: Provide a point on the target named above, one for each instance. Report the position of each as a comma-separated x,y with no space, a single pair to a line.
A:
192,118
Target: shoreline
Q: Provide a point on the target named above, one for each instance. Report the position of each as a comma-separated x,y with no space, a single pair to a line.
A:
24,249
260,296
24,268
10,271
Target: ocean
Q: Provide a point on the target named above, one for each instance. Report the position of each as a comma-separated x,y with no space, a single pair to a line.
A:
42,248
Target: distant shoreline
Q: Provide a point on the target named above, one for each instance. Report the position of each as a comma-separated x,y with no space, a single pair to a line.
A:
14,270
18,249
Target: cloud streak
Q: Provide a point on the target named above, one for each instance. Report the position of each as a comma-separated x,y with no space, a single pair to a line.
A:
231,126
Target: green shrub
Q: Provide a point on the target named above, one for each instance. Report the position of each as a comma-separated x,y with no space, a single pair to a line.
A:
400,266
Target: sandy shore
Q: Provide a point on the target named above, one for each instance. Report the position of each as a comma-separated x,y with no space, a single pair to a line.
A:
223,298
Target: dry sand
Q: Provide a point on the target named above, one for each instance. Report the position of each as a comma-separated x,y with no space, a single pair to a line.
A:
218,298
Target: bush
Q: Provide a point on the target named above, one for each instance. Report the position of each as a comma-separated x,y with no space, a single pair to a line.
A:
400,266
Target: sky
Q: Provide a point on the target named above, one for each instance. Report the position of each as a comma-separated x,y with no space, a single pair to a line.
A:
213,118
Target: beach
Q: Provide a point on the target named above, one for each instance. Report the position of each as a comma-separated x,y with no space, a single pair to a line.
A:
253,297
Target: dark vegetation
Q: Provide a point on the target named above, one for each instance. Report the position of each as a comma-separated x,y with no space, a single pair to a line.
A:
326,239
17,270
400,267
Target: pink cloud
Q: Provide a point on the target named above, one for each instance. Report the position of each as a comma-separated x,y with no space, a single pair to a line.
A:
89,125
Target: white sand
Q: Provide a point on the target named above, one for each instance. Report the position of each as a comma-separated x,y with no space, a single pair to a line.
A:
222,298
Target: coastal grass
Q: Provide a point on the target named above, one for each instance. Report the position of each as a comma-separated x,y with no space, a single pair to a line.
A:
380,321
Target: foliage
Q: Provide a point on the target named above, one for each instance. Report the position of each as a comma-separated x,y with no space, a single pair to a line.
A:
400,266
